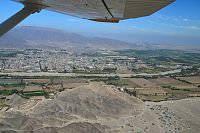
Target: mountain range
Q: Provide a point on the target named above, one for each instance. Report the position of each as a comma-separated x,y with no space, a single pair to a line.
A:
40,37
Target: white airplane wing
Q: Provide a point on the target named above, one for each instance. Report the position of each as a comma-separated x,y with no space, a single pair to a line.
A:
97,10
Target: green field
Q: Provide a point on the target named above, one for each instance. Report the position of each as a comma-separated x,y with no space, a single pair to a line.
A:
10,81
34,93
150,71
8,92
163,56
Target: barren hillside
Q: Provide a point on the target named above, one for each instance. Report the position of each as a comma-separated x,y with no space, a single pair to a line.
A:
96,108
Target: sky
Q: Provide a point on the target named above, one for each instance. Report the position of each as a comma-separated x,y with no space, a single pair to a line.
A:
176,24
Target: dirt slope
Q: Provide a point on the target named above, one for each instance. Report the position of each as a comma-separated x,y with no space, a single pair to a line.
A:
96,108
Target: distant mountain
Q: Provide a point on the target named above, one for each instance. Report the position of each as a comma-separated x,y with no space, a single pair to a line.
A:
39,37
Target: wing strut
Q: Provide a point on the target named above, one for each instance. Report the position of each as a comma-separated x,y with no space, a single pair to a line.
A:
17,18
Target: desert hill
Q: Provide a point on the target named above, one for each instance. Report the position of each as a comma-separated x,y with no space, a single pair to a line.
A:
83,109
96,108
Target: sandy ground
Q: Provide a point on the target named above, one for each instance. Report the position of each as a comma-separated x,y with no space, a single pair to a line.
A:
96,108
169,117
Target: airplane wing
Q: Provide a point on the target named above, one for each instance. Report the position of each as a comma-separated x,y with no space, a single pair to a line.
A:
102,9
97,10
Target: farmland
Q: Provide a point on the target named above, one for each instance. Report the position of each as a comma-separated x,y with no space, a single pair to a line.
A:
154,98
174,84
176,88
151,70
30,87
147,89
163,56
144,83
167,81
10,81
36,81
192,80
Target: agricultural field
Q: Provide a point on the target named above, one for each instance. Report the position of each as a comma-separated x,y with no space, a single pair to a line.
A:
163,56
35,93
32,88
145,90
167,81
177,89
70,80
19,88
38,86
70,83
180,94
152,91
154,98
151,70
141,82
36,81
192,80
10,81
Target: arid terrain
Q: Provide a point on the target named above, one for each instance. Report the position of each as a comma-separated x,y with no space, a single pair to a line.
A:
99,108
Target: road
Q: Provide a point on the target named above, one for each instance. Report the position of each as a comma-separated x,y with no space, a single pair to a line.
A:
75,74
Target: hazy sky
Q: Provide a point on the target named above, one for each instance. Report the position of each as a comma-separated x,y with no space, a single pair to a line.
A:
179,23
